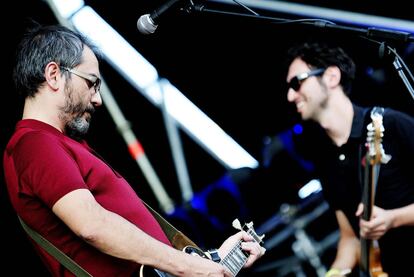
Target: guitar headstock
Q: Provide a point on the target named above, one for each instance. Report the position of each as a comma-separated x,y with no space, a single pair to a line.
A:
374,138
248,228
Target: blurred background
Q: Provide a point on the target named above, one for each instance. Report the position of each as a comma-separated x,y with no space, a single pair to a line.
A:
229,64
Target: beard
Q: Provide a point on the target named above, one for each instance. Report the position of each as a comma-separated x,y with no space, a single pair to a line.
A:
77,115
77,128
322,103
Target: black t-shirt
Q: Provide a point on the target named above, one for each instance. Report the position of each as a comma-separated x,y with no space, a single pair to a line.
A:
341,175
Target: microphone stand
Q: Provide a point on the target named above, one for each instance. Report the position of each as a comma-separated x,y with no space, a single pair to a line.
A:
398,66
372,33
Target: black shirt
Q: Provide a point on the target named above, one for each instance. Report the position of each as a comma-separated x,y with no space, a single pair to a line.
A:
341,176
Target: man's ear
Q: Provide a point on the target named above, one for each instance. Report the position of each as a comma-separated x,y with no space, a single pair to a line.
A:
53,76
332,76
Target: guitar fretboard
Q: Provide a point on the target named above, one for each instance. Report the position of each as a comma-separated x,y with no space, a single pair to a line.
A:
235,260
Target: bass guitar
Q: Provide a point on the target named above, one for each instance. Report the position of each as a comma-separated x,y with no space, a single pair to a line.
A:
370,264
233,261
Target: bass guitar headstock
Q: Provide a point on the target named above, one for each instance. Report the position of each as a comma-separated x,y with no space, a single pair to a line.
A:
375,134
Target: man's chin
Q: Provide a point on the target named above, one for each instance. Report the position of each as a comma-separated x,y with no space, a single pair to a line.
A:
77,128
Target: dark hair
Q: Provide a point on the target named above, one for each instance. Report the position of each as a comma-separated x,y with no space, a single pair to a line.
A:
44,44
320,55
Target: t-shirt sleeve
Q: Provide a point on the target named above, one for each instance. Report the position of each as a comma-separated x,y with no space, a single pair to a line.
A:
403,127
45,167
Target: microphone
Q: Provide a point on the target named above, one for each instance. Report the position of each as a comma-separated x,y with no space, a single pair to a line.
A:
148,23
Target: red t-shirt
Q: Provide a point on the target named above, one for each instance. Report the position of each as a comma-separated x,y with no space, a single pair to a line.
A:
41,165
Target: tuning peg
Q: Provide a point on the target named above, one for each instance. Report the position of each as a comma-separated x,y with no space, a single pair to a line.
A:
236,224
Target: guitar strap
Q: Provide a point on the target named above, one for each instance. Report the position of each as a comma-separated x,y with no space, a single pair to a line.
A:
361,149
176,237
65,260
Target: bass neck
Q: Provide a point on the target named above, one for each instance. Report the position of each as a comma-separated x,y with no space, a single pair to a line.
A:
370,264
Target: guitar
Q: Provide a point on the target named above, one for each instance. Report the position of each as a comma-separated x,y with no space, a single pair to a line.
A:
233,261
370,265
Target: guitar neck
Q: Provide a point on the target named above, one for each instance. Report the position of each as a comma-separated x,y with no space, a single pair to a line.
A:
370,264
367,201
365,255
235,260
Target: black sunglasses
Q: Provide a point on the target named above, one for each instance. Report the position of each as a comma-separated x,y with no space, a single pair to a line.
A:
297,81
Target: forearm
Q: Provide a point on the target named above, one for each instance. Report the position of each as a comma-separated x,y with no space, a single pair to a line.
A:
402,216
117,237
114,235
348,253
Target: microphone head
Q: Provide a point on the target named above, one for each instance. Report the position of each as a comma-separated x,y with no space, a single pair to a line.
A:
146,25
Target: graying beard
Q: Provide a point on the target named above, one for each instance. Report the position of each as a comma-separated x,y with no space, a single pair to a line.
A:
77,128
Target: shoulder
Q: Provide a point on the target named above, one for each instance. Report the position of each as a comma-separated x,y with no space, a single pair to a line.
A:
38,145
36,140
395,118
392,113
398,127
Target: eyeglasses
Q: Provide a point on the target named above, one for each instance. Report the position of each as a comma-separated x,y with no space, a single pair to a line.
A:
297,81
91,81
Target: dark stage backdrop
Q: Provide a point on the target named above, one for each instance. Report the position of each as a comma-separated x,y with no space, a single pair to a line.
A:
232,69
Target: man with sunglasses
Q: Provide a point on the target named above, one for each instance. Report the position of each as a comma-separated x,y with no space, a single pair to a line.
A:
64,191
319,79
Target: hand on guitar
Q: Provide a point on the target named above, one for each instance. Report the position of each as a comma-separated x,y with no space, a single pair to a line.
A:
239,250
248,244
380,223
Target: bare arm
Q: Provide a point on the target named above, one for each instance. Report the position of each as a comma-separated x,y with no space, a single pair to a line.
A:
402,216
348,252
383,220
112,234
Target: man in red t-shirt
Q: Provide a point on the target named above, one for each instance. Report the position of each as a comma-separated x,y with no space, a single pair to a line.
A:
68,194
